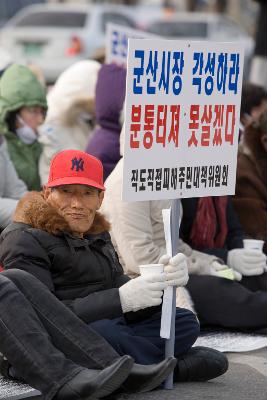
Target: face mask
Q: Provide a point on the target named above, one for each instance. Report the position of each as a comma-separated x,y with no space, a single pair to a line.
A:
26,134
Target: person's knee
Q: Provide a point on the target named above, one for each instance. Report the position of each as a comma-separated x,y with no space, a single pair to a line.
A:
7,283
4,282
18,276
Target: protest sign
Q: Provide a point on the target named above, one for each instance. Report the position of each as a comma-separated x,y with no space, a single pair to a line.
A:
181,131
117,42
182,119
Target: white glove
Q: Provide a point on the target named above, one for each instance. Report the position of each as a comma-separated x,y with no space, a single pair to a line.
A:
176,269
248,262
142,292
223,271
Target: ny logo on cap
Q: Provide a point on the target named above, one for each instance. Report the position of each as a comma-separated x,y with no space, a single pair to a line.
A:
77,164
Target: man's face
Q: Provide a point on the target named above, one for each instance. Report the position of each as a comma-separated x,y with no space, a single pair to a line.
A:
77,204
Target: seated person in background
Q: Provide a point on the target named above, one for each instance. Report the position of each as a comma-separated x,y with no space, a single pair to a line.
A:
211,225
109,98
250,200
138,235
11,187
70,118
59,237
253,103
22,111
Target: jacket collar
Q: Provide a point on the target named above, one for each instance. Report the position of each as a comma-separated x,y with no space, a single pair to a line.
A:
33,210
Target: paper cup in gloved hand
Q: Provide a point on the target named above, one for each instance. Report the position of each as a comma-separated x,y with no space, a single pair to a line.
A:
151,269
253,244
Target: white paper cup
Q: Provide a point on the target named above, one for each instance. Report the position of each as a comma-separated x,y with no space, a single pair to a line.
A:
253,244
151,269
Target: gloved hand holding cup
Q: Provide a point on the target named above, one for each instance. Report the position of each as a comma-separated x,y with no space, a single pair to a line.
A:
249,261
144,291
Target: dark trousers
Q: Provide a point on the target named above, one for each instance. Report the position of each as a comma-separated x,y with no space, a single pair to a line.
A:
229,304
142,340
43,340
47,344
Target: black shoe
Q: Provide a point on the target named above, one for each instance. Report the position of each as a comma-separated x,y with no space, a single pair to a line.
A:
200,364
143,378
93,384
112,377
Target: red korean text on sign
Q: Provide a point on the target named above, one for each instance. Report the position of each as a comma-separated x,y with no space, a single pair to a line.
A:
149,125
211,125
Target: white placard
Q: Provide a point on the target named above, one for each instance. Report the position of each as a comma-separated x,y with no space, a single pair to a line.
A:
117,42
182,119
166,314
166,216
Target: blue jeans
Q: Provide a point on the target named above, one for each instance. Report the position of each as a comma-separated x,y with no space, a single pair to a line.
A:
142,340
45,342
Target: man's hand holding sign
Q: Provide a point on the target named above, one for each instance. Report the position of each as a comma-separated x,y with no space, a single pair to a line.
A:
176,269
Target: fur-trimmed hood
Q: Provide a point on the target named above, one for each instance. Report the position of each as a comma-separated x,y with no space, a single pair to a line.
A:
73,93
33,210
81,105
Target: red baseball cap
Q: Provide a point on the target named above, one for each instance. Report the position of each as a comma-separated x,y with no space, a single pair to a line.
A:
71,167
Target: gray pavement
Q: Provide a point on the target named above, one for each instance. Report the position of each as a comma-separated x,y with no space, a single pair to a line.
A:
246,379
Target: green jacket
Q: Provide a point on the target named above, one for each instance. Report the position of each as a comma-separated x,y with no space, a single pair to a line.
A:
19,88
